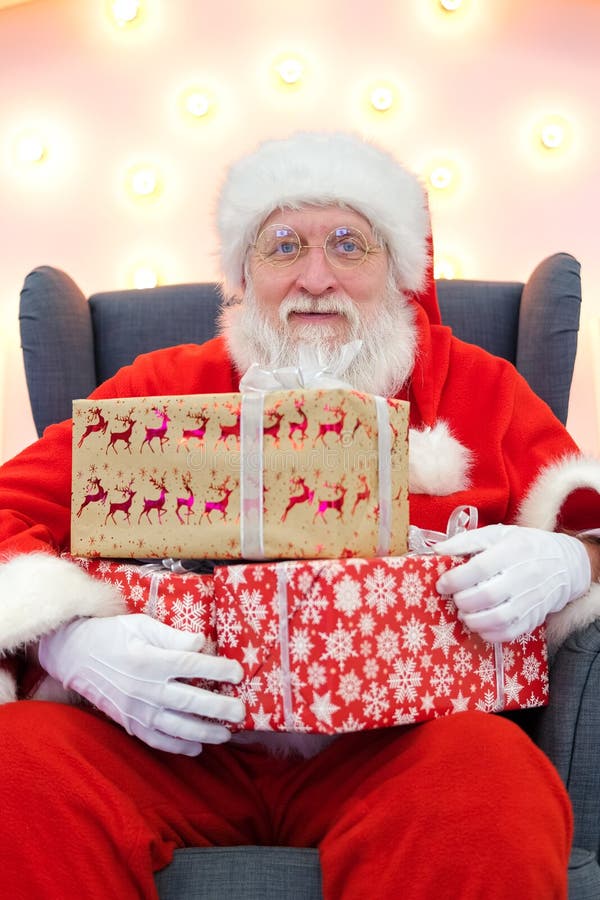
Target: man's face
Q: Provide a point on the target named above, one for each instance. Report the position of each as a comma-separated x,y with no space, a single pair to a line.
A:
312,301
312,296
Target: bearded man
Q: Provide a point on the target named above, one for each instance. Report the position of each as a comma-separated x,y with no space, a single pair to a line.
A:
325,239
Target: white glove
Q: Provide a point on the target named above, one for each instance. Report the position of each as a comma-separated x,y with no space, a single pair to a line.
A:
129,666
517,578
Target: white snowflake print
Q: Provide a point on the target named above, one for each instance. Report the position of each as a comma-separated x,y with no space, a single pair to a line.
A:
387,644
228,627
443,636
462,660
508,654
338,645
347,595
432,603
366,624
487,703
188,615
375,701
486,670
156,608
253,609
405,718
301,645
249,690
313,607
205,587
366,649
460,703
413,635
304,581
442,680
331,571
316,675
381,590
404,680
350,685
137,595
351,724
371,668
323,708
274,681
210,646
412,589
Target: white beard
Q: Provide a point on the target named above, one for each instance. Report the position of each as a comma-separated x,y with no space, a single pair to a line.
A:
382,365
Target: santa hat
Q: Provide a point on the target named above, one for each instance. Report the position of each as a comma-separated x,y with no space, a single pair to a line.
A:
322,169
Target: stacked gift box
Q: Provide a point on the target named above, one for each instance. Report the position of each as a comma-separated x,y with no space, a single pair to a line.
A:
341,629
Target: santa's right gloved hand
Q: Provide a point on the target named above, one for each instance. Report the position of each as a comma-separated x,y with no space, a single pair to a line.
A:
129,666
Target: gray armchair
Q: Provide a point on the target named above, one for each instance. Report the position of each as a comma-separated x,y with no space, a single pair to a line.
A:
71,343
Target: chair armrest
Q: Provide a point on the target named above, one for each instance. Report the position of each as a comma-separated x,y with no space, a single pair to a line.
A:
548,325
58,349
569,729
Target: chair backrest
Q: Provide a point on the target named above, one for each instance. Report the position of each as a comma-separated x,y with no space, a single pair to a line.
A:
72,343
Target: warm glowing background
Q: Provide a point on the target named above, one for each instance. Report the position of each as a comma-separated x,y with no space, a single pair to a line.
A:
469,89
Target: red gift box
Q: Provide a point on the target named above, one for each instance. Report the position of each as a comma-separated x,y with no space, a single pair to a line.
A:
184,600
348,645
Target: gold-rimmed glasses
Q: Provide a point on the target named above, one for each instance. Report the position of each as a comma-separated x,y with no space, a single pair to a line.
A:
345,247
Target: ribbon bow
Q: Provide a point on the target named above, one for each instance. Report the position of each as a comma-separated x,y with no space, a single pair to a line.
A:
312,371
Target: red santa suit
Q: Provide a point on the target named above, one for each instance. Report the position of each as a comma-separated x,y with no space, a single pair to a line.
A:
479,436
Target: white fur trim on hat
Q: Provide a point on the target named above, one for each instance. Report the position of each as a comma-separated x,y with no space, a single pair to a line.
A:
324,168
541,507
438,464
39,592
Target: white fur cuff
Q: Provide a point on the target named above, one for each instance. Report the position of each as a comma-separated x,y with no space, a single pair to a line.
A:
39,592
542,505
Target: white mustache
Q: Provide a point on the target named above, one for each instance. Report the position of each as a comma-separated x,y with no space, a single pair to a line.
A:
333,303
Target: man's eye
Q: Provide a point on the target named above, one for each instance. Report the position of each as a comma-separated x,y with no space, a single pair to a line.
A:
287,248
348,246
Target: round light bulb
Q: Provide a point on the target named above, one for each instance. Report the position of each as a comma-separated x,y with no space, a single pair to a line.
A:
290,70
144,181
441,177
125,10
450,5
445,268
30,149
145,277
382,98
197,103
552,135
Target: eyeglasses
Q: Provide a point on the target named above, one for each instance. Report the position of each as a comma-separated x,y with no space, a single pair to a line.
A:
280,246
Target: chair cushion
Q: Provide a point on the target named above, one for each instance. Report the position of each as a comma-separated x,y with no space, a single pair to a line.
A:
254,873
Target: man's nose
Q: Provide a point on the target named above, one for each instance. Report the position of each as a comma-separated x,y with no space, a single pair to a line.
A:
316,275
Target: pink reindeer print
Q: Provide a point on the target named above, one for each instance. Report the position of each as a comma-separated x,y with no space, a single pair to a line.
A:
199,432
306,495
186,503
363,495
124,505
300,426
125,434
337,503
100,425
272,430
336,427
157,503
232,430
160,432
219,506
97,496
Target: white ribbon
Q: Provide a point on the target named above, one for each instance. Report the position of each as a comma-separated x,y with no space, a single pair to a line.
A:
284,647
422,541
312,372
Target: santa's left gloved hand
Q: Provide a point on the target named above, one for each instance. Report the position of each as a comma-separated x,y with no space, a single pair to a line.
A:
516,578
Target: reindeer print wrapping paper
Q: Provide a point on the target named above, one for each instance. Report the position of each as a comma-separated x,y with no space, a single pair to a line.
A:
164,476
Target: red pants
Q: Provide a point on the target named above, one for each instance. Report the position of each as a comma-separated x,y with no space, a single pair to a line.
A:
461,807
